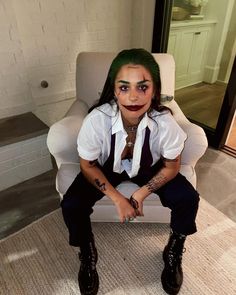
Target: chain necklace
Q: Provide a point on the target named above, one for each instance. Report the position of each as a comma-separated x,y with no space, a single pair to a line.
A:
131,130
129,144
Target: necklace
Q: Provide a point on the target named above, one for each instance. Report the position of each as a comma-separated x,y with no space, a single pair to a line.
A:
131,128
130,144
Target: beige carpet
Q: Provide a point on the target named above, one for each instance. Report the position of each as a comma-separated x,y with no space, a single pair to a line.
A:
37,260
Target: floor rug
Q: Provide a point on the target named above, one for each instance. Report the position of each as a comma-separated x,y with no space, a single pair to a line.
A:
38,260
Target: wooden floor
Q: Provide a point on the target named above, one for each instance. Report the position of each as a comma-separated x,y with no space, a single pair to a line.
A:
202,102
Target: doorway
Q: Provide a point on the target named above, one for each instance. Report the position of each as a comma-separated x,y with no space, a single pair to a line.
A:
203,44
230,144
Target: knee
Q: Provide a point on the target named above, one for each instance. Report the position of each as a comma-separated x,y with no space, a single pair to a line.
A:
191,199
70,203
75,205
67,204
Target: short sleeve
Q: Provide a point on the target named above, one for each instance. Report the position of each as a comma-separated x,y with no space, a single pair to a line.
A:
172,137
89,141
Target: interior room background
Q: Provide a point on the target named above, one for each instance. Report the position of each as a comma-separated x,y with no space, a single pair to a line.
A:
40,40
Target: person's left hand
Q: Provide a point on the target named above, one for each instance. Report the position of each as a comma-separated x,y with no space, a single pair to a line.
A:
137,203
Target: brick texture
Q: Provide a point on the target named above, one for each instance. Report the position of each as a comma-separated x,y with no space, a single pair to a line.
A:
42,38
23,160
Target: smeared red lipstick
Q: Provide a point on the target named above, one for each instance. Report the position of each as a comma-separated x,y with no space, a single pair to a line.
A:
134,108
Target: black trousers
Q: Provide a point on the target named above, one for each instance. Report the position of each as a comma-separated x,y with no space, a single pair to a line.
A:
77,204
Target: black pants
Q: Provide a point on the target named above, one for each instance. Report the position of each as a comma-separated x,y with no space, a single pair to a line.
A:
77,204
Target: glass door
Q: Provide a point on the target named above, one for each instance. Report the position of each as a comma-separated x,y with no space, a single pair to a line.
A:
202,40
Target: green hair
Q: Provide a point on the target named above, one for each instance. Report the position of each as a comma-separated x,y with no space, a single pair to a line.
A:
135,56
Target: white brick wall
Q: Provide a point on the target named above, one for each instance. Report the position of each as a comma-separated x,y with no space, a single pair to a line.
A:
54,32
23,160
42,39
15,95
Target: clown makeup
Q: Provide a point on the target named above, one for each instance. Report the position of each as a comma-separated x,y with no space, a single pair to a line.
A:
134,90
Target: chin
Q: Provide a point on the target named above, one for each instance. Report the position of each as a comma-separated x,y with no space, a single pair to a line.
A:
134,116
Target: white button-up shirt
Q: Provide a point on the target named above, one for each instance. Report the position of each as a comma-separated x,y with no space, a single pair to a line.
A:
94,139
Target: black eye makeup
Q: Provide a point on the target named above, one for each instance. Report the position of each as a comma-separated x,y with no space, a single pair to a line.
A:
143,88
123,88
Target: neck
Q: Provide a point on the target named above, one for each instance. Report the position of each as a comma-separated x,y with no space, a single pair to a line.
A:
131,122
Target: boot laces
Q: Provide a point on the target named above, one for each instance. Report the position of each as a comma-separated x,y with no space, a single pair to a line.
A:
175,258
89,259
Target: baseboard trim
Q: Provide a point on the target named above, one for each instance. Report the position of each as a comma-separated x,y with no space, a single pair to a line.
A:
228,150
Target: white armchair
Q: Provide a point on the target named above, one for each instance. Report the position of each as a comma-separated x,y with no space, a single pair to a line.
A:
91,72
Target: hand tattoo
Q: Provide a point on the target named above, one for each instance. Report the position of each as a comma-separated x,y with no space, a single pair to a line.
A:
156,182
101,186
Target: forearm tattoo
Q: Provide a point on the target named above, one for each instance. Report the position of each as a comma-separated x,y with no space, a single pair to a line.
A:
101,186
156,182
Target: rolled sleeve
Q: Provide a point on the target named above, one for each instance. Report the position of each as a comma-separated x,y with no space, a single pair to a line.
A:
173,138
88,141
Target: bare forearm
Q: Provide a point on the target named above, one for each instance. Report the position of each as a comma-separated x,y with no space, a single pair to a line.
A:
169,171
160,179
96,177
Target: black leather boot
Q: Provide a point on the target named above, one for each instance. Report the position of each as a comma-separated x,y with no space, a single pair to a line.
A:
172,275
88,276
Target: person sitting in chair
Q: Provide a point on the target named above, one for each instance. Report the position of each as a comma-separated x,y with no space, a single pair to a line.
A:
129,135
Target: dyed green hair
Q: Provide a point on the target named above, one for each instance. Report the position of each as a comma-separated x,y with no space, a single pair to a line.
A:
135,56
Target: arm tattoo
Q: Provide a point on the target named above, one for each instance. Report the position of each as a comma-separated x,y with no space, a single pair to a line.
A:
168,160
93,163
100,185
156,182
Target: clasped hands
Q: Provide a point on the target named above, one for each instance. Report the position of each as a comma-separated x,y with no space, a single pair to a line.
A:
128,209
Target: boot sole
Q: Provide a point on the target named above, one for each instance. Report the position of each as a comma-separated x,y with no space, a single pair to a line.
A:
94,291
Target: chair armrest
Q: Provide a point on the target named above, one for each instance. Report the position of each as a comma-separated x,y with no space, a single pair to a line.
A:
62,139
78,108
195,144
62,136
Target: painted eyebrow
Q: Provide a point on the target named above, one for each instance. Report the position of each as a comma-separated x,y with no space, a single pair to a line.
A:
123,81
140,82
143,81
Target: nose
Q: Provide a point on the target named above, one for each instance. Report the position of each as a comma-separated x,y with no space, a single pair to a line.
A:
133,95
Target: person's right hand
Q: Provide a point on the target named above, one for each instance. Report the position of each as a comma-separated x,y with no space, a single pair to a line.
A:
125,210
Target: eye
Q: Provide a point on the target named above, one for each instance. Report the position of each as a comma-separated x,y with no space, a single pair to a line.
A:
123,88
143,87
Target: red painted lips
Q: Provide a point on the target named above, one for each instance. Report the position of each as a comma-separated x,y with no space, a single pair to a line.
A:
134,108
